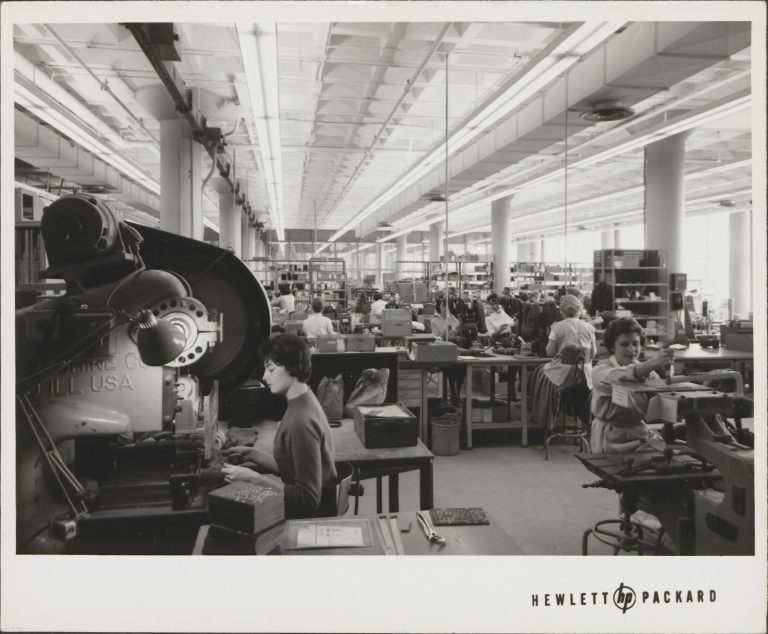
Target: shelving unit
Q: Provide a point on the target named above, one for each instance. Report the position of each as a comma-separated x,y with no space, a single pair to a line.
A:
639,281
548,277
328,280
475,277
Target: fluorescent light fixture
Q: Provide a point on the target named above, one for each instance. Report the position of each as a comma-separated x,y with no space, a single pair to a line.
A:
551,63
60,122
258,47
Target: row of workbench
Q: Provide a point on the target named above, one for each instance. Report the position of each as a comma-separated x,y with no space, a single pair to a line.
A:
350,364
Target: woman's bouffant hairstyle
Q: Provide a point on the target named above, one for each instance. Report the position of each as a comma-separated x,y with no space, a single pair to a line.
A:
289,351
618,327
570,306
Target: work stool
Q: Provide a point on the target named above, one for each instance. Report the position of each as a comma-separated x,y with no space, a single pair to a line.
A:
570,397
624,533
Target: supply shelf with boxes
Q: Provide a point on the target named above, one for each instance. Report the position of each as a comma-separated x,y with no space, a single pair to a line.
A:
639,284
29,251
328,280
295,273
549,277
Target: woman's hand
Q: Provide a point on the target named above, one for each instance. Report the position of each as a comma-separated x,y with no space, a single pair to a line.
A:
238,454
234,472
665,359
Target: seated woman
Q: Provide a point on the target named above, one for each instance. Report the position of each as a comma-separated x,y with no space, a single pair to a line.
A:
617,428
302,454
317,324
571,331
498,322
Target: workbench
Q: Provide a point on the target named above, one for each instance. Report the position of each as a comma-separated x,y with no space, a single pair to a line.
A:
484,539
720,357
348,448
500,361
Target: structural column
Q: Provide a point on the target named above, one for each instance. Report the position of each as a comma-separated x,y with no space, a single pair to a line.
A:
436,246
260,249
501,229
665,201
402,243
665,198
253,238
245,234
523,251
379,278
533,251
180,165
740,264
229,217
606,239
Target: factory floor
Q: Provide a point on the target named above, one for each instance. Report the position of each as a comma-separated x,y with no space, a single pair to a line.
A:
539,503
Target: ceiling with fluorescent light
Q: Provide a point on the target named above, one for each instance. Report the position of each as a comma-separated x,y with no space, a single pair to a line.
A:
342,125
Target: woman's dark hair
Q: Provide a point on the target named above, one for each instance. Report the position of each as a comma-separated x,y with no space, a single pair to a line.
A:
492,298
377,297
621,326
289,351
317,304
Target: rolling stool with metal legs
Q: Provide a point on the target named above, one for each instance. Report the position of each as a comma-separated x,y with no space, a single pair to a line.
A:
566,431
623,533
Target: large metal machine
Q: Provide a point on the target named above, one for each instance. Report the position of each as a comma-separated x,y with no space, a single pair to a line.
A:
118,381
699,479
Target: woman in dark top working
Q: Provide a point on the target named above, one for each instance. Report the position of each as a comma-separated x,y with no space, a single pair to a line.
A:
302,454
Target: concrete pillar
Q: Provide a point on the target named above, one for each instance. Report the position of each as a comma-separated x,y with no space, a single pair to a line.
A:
402,243
740,264
665,201
501,228
533,251
606,239
378,262
542,259
252,239
436,246
260,249
180,165
665,198
245,244
229,225
617,238
523,251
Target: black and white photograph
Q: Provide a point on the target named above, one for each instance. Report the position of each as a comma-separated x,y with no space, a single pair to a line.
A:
297,287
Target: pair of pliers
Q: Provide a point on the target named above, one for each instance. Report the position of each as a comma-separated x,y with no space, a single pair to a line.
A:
432,536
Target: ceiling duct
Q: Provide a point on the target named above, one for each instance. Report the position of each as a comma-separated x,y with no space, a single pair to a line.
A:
603,111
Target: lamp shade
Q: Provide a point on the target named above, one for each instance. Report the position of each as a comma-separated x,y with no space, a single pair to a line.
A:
159,342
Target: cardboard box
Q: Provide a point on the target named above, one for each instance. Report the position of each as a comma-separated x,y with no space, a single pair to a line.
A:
386,425
438,352
330,344
360,343
247,507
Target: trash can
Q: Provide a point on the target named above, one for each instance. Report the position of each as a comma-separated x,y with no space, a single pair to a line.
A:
445,432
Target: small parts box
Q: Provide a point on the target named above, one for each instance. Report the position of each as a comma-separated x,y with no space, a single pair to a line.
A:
486,411
360,343
386,425
437,352
330,344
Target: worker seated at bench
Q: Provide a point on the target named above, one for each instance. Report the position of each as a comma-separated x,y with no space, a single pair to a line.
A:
317,324
619,428
302,453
